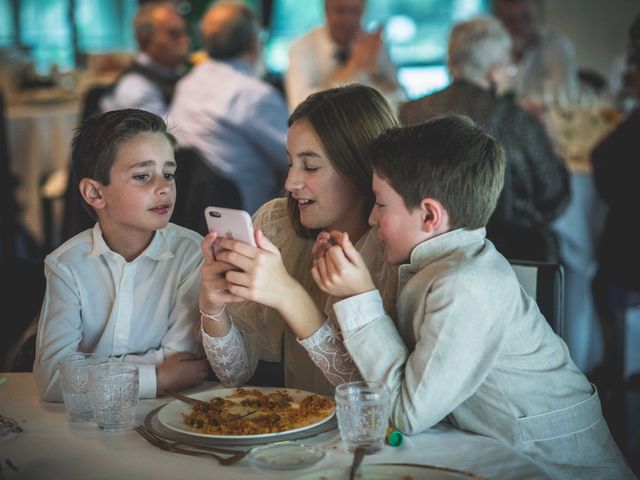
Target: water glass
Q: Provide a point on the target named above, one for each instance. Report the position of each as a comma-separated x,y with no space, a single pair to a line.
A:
74,384
113,392
363,414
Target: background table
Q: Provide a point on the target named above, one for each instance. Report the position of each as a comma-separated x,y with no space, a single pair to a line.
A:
39,137
52,447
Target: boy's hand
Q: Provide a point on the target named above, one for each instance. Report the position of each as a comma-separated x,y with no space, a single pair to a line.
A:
179,371
340,270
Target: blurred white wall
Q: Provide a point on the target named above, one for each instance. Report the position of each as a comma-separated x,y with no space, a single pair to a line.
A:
598,28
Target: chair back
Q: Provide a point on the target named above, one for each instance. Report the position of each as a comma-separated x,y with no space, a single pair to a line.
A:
544,281
198,186
91,100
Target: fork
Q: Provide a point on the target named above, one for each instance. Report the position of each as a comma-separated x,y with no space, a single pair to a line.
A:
171,447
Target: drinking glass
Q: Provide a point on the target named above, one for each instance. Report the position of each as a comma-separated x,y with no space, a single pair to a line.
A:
363,414
113,392
74,384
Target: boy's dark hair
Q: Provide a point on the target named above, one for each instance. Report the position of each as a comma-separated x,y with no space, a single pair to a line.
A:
448,159
98,140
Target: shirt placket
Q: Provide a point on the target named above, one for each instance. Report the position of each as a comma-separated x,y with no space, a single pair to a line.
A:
125,310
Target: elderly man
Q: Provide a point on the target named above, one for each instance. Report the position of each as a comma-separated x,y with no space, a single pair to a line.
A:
222,109
340,52
148,82
536,188
546,60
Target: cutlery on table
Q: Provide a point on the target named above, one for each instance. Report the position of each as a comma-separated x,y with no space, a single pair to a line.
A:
358,455
196,451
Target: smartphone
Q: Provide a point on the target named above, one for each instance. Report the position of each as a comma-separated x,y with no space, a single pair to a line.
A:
229,223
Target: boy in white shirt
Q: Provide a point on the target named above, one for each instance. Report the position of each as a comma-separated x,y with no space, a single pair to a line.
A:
128,288
468,343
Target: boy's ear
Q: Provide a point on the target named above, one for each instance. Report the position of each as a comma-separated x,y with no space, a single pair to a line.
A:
91,191
434,216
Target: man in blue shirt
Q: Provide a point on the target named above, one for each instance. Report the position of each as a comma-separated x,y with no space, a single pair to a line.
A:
223,110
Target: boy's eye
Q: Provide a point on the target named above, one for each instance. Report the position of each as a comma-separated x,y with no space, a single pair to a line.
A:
379,205
141,177
310,169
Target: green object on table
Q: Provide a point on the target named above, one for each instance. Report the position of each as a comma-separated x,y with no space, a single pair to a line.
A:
2,380
395,438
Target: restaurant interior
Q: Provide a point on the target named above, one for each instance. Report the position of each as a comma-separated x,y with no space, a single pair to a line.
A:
57,57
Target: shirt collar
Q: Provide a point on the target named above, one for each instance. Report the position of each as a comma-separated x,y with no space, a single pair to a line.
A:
158,249
442,246
144,59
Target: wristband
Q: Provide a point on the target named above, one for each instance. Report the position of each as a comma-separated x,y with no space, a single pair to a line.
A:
214,316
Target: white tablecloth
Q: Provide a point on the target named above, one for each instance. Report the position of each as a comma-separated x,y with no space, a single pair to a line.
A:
51,447
39,139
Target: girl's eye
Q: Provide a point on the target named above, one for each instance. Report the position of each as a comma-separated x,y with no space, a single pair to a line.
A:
379,205
170,176
311,169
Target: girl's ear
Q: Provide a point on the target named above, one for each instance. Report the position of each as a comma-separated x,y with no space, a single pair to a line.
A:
435,219
91,191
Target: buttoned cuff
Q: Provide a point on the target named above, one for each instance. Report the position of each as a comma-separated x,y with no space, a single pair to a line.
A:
357,311
147,381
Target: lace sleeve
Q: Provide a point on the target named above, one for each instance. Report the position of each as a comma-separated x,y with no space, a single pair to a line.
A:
326,350
228,357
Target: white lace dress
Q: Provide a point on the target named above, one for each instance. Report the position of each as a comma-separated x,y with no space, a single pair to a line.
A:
317,363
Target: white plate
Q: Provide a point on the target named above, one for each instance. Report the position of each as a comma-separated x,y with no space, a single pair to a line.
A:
171,414
391,471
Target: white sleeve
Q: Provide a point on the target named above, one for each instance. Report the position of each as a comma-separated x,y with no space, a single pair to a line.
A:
229,357
328,353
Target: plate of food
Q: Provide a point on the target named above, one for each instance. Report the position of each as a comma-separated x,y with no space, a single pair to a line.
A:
247,413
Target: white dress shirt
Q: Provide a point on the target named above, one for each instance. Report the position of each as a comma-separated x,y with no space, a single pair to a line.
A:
140,311
238,123
313,64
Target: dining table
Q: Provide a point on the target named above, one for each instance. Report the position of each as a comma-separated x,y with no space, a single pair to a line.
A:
50,446
39,133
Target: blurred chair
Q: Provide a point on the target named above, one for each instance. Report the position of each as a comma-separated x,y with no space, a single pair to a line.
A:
198,186
8,207
544,281
23,287
91,100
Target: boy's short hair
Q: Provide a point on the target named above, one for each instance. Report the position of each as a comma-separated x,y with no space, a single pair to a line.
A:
448,159
98,140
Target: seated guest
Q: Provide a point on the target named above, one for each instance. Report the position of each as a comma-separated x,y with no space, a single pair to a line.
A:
128,287
546,63
468,344
616,171
222,109
148,82
338,53
536,187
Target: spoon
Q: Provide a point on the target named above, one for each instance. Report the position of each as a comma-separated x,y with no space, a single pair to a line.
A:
358,455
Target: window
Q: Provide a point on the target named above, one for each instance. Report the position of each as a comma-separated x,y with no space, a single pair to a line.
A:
416,33
46,28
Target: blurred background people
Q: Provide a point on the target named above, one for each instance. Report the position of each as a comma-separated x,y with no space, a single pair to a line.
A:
546,60
149,81
340,52
536,189
221,108
616,170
